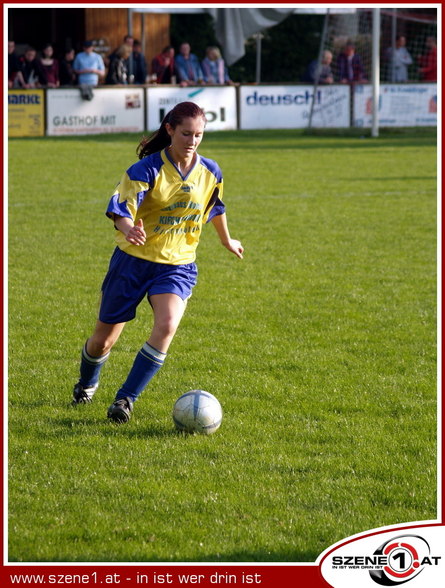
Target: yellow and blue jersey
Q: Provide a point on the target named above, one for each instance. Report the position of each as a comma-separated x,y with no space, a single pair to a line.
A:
173,207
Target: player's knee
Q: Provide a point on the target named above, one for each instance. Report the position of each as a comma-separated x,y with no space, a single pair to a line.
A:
98,346
167,327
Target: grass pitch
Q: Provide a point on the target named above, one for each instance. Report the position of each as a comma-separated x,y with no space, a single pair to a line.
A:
320,346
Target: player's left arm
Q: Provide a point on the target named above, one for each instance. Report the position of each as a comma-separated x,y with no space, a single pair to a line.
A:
233,245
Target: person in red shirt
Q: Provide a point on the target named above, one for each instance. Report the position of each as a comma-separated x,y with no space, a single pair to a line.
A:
428,61
163,65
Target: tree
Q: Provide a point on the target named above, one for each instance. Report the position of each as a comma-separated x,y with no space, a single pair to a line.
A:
287,48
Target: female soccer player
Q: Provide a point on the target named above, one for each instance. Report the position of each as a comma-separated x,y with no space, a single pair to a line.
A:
158,210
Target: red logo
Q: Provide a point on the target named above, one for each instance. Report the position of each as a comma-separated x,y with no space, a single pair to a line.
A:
432,105
404,558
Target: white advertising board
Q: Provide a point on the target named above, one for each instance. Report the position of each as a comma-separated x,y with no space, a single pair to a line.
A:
219,104
400,105
111,110
289,107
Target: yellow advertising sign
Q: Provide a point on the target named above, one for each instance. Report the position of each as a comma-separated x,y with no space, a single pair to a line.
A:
26,113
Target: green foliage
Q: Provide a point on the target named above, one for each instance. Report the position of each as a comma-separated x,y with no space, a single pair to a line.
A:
287,48
286,51
196,29
320,345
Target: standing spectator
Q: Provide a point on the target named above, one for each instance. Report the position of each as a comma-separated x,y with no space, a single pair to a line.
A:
117,70
50,66
67,76
88,65
349,64
188,67
399,59
129,40
428,61
320,73
15,77
139,64
32,72
214,68
163,65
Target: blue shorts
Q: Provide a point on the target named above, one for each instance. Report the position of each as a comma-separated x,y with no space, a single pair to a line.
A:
130,278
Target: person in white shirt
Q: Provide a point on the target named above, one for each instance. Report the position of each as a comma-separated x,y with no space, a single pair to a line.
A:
399,59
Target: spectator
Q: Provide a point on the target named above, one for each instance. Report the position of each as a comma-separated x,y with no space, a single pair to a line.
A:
188,67
214,68
32,72
349,64
399,59
67,76
163,65
15,77
129,40
117,70
428,61
50,66
320,73
139,64
89,66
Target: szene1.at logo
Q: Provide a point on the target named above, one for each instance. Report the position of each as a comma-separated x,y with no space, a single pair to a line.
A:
403,558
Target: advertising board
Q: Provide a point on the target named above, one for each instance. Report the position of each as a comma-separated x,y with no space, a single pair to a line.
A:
219,104
26,113
111,110
400,105
289,107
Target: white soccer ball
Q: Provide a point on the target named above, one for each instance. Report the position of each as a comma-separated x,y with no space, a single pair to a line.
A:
197,411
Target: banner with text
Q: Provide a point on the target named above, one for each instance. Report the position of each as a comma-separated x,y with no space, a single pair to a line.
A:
400,105
111,110
289,107
219,104
26,113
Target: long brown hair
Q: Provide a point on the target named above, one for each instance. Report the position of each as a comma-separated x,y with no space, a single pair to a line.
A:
160,138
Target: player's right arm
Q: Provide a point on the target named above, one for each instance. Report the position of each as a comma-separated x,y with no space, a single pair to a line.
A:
134,233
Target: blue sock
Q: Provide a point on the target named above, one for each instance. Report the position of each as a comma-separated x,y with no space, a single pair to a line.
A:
90,368
147,363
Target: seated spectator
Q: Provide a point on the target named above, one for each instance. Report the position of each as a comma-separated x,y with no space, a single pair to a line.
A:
188,67
349,65
428,61
139,64
398,61
66,72
117,70
320,73
163,65
214,68
15,77
32,72
89,66
50,66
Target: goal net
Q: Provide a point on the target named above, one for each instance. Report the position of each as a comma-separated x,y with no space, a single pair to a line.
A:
408,56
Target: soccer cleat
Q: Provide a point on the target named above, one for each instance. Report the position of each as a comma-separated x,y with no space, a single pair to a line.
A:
83,395
120,411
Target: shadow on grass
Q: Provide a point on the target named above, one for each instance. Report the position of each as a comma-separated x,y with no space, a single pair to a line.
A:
245,556
282,139
80,424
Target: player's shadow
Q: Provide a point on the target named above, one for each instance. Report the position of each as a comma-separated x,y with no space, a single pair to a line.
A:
89,424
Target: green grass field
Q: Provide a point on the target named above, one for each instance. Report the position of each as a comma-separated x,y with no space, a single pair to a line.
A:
320,345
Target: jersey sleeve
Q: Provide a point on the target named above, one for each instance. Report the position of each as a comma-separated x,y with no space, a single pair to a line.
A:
131,191
215,205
